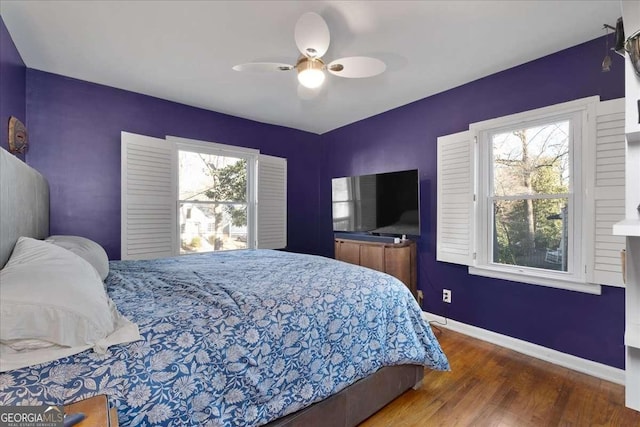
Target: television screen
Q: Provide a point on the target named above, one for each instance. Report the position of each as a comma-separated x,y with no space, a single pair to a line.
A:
385,203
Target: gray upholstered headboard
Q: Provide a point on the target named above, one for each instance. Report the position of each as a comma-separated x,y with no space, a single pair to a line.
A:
24,203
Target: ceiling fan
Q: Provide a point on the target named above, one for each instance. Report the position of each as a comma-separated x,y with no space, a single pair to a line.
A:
312,38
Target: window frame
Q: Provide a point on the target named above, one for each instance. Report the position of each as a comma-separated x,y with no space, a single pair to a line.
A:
211,148
148,206
603,160
578,112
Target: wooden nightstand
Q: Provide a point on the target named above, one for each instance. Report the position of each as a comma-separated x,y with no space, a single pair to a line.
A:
97,412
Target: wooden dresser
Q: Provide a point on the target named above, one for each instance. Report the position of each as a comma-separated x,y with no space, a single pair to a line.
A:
396,259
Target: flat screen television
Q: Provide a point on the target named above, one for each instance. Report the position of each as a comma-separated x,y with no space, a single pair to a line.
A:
382,204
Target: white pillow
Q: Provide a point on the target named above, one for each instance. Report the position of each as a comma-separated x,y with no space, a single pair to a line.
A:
28,344
51,294
89,250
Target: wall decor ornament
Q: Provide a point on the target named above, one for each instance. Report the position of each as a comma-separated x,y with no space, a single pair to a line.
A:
606,62
632,46
18,137
619,37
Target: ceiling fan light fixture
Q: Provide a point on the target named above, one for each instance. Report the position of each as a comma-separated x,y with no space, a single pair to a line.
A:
310,72
312,39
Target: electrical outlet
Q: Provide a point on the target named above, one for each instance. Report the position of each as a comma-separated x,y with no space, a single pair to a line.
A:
446,296
420,298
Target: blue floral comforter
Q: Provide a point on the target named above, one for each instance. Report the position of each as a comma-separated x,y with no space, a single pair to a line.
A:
237,338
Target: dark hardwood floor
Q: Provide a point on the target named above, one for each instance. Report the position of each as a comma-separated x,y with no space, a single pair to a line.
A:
492,386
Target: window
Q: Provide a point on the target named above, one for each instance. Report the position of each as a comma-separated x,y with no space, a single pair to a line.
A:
182,196
530,197
529,200
213,201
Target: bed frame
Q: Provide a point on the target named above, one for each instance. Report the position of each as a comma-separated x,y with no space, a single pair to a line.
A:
357,402
24,211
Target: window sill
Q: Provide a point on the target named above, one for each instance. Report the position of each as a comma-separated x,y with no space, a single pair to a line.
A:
538,279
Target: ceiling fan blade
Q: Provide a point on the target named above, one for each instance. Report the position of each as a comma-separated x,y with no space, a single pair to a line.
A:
263,67
312,35
356,67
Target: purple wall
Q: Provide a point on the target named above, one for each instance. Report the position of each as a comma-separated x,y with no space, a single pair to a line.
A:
75,132
12,85
587,326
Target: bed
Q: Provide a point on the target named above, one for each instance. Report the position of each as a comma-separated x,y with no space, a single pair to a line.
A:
236,338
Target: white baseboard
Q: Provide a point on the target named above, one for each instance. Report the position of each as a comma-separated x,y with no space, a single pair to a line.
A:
575,363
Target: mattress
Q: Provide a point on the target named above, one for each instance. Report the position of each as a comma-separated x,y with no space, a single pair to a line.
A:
237,338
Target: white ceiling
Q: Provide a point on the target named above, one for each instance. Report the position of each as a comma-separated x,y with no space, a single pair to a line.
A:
183,51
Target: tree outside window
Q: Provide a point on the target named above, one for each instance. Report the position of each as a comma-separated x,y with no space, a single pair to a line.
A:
213,202
531,194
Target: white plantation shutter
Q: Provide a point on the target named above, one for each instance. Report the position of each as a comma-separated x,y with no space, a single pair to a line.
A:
600,164
456,175
272,202
148,200
608,175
